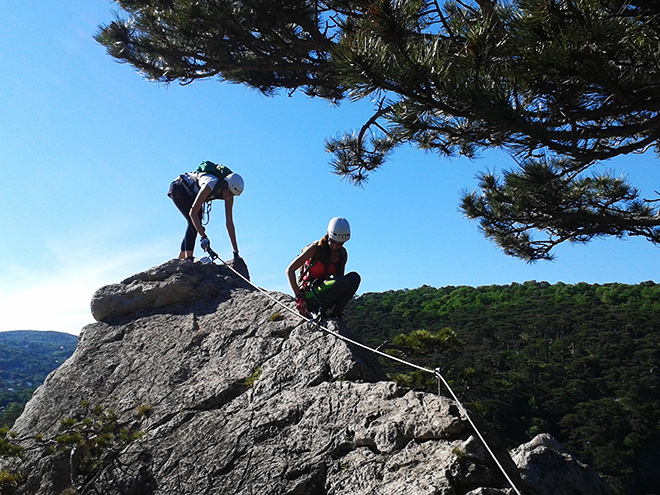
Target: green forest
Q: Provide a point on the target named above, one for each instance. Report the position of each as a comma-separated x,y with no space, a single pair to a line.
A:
26,359
581,362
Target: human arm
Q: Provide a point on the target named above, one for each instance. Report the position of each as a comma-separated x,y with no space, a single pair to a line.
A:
229,221
296,264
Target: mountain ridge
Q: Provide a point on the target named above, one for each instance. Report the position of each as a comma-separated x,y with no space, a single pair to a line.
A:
226,394
26,358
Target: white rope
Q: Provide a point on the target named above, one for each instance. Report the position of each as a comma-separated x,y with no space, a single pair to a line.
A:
435,372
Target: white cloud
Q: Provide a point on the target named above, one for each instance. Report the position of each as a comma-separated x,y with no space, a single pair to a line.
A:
56,294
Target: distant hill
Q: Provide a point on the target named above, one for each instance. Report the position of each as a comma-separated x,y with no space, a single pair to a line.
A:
26,359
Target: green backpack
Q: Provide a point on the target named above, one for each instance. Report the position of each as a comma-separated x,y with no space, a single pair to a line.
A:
219,171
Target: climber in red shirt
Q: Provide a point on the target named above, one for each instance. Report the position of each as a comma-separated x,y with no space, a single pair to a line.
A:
322,286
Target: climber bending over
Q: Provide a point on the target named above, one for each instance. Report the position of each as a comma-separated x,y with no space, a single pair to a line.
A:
191,191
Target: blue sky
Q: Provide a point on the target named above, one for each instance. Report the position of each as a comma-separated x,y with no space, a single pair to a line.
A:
88,149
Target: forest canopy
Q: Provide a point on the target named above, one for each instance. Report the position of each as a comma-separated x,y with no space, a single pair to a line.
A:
581,362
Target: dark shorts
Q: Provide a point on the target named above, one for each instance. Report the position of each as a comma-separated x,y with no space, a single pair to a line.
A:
184,198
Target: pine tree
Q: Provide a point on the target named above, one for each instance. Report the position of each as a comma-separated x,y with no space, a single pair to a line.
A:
560,85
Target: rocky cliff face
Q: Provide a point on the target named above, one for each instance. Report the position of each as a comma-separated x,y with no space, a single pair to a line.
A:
231,395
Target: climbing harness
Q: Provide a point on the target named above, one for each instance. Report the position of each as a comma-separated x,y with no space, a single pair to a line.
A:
316,289
306,278
317,321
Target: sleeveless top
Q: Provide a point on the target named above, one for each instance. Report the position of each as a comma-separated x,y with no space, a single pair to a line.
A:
315,269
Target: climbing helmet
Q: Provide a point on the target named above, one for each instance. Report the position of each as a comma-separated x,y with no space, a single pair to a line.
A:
339,230
235,184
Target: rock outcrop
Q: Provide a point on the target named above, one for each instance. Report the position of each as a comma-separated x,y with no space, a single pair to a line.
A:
233,395
545,464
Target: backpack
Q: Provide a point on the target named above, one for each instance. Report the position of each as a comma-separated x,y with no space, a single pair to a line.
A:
219,171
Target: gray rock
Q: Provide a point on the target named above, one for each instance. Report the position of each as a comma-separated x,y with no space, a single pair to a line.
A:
239,265
246,398
175,283
545,463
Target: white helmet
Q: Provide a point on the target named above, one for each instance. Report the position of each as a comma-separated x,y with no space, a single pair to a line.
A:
339,230
235,184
